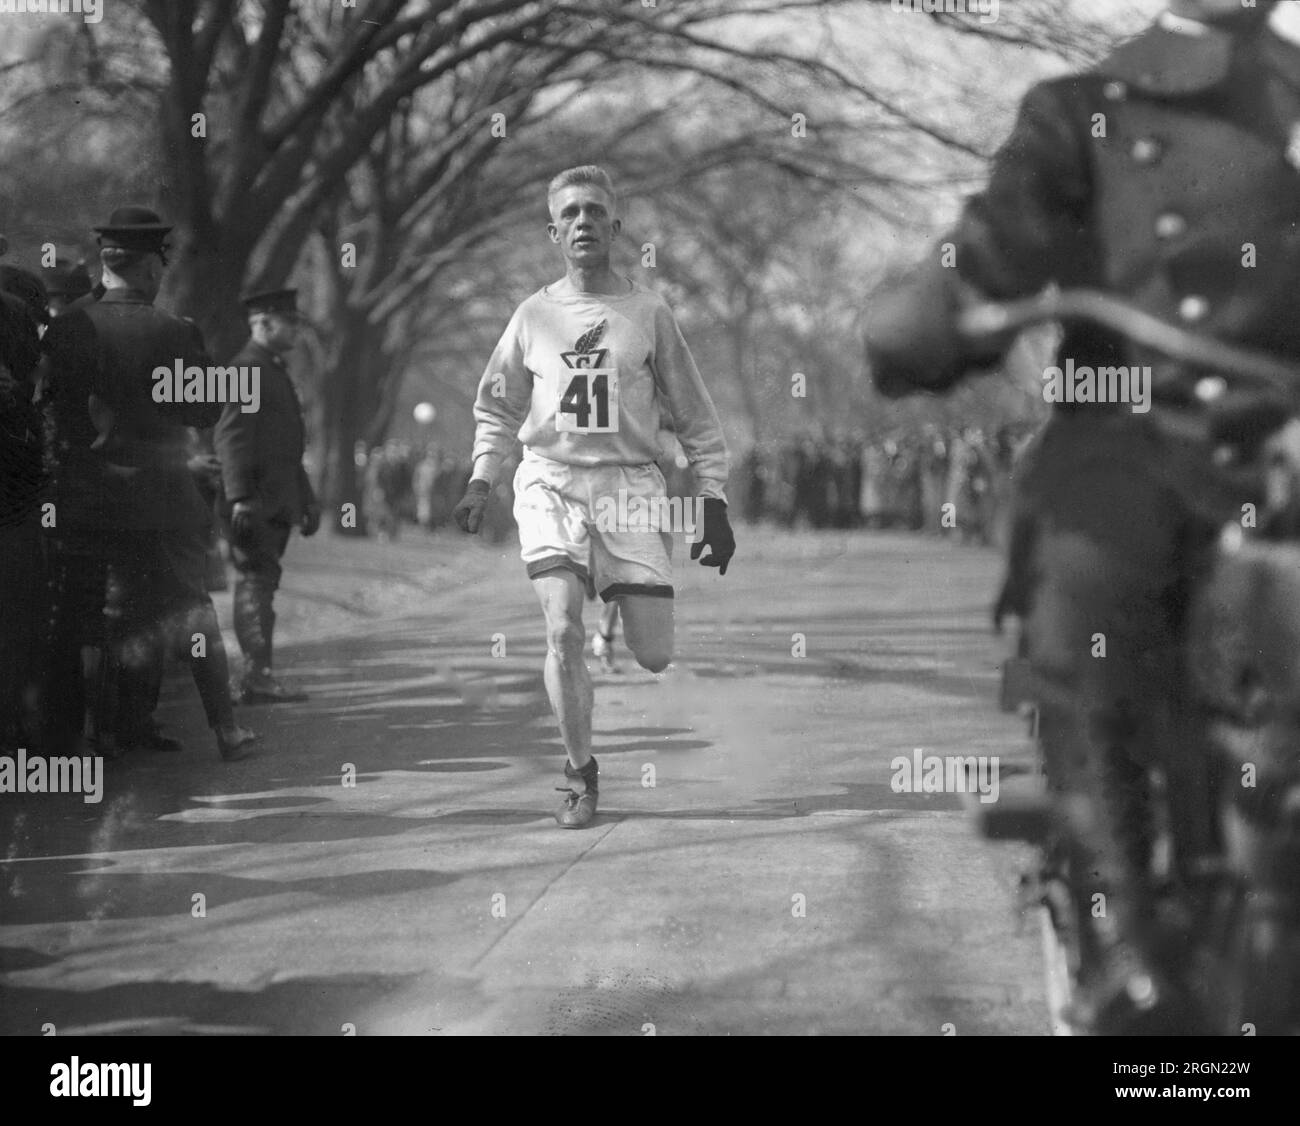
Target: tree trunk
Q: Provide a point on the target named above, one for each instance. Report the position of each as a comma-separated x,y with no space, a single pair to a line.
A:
347,390
204,283
738,337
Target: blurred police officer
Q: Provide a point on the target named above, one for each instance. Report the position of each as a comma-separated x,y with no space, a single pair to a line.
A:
1198,163
266,487
123,476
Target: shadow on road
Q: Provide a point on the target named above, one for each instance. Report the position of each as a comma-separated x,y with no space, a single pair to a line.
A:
399,700
303,1006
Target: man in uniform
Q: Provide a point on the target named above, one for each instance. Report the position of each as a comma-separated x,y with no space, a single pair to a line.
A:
123,492
1167,175
581,376
266,487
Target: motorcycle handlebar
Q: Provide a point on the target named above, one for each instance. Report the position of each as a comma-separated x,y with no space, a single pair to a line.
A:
1230,361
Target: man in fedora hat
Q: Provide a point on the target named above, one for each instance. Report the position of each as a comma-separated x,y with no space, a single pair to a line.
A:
124,494
266,487
137,688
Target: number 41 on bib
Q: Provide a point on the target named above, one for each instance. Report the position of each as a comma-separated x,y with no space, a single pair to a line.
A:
589,403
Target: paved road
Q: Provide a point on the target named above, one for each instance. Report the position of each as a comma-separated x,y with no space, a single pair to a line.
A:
769,881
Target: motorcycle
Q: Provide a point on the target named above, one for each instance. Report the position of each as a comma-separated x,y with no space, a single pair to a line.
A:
1243,662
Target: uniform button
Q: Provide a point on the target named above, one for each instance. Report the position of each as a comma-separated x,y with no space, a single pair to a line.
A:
1170,225
1147,150
1193,308
1114,91
1211,388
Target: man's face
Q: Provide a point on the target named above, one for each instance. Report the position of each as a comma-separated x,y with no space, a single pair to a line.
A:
280,331
583,225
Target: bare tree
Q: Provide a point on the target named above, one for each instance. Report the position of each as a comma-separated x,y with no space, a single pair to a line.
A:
400,141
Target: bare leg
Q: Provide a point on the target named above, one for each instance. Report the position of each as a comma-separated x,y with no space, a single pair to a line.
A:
608,619
648,629
568,684
602,645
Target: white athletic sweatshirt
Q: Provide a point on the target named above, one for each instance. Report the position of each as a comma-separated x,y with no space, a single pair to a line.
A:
580,379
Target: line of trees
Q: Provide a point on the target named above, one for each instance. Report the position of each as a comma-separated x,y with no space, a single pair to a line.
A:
392,156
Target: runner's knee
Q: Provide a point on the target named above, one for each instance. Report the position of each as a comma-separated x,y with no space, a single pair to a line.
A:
566,637
652,655
648,628
656,660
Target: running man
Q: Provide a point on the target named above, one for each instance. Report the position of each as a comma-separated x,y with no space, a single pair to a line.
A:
580,376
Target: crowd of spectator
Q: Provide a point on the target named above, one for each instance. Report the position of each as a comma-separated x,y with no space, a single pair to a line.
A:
954,482
402,485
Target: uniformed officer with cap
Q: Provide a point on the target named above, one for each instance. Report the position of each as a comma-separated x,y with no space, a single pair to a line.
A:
266,486
123,489
1169,175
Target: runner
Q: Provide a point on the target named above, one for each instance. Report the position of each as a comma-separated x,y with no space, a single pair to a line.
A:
580,376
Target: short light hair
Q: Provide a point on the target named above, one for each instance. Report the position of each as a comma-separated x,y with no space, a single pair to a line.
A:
119,259
582,174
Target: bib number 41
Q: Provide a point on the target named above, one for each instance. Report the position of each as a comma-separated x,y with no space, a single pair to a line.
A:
589,404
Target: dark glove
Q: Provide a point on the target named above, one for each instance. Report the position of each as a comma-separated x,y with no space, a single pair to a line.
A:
913,340
469,513
716,535
309,525
244,518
